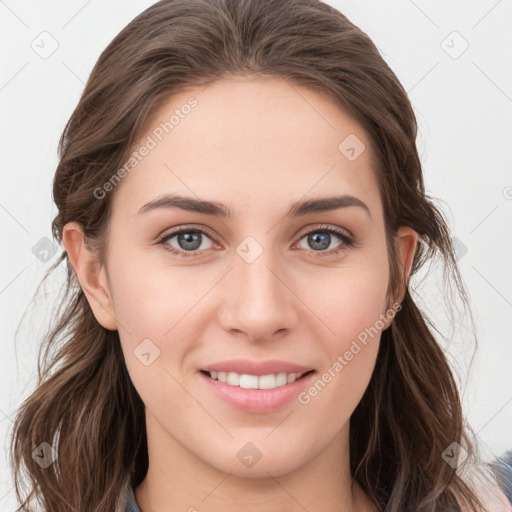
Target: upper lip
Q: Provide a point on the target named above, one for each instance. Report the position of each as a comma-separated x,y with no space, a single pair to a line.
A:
247,367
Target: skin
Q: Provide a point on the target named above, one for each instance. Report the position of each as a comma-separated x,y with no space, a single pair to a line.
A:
256,145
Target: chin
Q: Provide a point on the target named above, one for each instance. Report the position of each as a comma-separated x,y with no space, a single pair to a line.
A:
275,465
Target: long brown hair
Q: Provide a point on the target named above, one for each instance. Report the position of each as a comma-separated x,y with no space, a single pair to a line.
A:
85,404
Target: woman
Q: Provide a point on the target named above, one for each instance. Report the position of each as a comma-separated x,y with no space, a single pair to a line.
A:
241,204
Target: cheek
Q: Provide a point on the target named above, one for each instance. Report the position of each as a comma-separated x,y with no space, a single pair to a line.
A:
353,308
353,299
154,307
158,309
349,361
150,297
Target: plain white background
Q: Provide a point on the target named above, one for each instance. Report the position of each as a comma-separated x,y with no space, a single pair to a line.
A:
454,61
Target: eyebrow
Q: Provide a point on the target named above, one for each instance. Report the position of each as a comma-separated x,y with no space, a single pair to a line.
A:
297,209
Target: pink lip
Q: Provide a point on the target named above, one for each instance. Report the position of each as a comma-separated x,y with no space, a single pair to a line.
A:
258,400
258,368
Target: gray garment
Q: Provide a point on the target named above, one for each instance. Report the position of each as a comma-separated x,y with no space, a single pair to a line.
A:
131,504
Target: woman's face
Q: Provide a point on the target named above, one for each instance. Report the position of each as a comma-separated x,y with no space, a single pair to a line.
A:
264,290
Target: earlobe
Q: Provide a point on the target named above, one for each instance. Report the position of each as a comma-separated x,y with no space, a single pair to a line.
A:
90,274
406,241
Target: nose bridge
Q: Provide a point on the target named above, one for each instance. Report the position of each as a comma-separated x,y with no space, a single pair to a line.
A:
257,301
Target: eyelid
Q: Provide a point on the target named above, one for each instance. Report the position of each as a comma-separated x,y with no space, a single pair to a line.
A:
348,239
328,227
186,227
304,231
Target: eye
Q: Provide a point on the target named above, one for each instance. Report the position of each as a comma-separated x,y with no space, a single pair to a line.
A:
191,241
320,239
188,242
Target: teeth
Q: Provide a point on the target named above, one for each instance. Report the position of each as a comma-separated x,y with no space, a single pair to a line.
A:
281,379
267,382
271,381
248,381
233,379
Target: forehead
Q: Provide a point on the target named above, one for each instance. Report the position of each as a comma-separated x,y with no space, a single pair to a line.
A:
247,139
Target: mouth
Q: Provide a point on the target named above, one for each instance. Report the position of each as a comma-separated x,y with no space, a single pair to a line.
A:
248,381
256,387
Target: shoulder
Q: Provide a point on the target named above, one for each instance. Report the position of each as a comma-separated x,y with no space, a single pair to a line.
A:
493,500
491,482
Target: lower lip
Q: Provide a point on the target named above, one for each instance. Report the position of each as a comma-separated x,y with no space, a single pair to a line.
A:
257,400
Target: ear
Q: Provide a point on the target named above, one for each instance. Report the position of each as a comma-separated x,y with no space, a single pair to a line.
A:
405,247
405,242
90,273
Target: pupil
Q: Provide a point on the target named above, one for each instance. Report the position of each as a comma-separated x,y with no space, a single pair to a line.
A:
190,240
320,240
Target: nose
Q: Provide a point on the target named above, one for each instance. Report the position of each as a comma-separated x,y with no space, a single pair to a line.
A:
259,302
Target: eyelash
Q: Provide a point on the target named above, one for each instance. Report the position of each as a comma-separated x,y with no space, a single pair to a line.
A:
347,241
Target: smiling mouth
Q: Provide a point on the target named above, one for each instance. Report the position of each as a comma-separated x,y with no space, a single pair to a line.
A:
247,381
